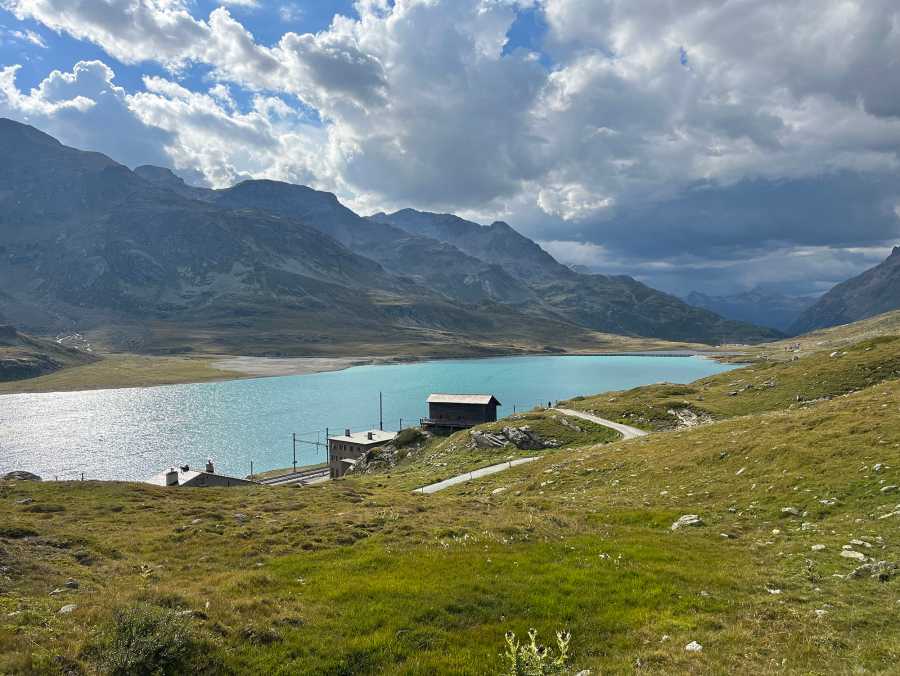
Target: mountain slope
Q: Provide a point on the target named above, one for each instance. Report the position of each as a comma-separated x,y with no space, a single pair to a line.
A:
776,311
86,243
618,304
23,356
437,265
874,292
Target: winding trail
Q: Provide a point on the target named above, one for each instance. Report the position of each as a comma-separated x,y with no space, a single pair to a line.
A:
626,431
474,474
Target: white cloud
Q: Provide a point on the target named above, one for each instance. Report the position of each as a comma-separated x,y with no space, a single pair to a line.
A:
30,37
657,125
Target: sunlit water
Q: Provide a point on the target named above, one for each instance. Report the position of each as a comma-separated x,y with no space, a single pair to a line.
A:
134,433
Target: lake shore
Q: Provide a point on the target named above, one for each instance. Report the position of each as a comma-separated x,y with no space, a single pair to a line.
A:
118,371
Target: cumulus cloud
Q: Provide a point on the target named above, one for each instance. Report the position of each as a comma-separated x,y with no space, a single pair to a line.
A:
650,133
86,109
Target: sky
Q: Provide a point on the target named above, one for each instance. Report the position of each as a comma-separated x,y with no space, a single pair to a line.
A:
711,145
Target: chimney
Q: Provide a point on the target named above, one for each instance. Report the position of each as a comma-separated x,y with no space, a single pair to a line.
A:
172,477
209,466
370,435
347,432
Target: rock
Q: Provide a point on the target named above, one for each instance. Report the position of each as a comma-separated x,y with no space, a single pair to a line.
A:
878,466
693,647
880,570
806,525
24,501
524,439
488,440
687,520
686,418
65,610
498,491
792,511
71,583
240,518
817,548
888,489
584,672
850,554
20,475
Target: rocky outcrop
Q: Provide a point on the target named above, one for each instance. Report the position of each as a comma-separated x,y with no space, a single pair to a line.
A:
522,438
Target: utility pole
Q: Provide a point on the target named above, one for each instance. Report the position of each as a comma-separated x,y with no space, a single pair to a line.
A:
380,413
294,436
251,468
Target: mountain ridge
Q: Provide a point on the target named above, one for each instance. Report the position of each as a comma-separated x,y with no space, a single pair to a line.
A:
874,292
86,242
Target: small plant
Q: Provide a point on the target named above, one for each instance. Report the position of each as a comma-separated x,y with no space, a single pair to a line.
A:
146,639
532,659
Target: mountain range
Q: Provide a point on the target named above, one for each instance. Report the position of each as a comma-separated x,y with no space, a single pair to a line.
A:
872,293
146,262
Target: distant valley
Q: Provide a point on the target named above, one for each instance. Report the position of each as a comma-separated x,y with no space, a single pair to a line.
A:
773,310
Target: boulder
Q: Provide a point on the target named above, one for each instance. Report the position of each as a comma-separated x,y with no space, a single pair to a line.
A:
851,554
21,475
686,521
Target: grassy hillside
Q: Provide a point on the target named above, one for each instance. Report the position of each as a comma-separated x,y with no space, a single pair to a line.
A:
759,388
363,576
23,357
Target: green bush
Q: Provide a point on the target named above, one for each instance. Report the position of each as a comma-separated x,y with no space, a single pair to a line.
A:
532,659
408,437
147,640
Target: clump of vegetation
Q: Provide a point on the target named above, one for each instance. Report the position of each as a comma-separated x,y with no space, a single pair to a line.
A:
408,437
532,659
148,639
14,532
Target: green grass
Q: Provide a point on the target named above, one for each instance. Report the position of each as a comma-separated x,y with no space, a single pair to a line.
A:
115,371
761,387
362,576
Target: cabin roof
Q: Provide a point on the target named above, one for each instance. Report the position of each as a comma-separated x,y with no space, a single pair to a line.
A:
479,399
188,477
378,437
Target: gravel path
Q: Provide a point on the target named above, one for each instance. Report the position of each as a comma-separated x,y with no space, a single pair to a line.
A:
626,431
474,474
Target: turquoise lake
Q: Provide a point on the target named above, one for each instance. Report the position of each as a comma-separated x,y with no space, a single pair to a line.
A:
130,434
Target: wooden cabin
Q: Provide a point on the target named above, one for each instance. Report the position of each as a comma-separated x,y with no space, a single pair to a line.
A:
460,411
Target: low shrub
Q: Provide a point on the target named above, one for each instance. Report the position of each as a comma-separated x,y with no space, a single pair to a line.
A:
147,640
15,532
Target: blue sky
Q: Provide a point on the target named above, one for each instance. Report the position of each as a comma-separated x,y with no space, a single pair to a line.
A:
711,146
